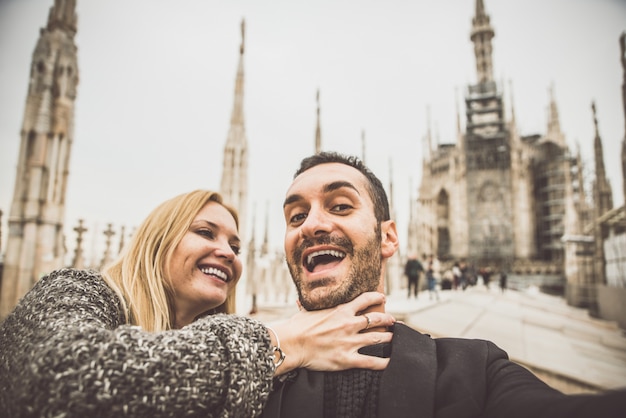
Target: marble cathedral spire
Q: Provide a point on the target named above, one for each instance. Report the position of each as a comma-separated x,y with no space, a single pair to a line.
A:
63,16
412,228
234,184
251,265
582,204
603,202
513,121
252,242
265,246
427,141
622,44
459,131
603,195
580,179
35,244
391,185
1,213
554,125
393,274
363,145
481,35
318,129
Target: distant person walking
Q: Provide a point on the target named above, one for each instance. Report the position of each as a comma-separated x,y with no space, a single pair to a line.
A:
502,281
412,270
464,276
486,273
456,275
431,279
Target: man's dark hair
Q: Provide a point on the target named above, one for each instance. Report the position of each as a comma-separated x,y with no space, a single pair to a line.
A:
374,186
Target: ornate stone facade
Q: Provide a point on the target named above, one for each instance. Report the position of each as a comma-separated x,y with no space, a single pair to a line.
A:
495,198
35,244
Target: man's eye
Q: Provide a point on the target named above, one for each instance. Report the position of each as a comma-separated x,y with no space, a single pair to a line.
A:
297,218
342,207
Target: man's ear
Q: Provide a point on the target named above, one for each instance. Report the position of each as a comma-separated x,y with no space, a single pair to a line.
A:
389,240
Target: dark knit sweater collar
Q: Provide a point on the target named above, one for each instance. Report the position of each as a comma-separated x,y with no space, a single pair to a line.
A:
354,393
301,393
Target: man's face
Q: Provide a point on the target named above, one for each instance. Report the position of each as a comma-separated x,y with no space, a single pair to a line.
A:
332,239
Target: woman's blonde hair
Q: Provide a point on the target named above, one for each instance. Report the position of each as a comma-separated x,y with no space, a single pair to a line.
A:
138,275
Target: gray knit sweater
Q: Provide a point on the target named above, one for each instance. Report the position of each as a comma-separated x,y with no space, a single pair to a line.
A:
66,352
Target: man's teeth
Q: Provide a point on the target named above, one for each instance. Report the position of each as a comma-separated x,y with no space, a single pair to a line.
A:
215,272
337,254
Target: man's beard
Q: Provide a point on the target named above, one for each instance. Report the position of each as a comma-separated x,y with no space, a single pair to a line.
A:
364,275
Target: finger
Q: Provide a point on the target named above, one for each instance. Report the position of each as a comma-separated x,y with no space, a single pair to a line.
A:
365,300
368,321
373,320
373,338
364,361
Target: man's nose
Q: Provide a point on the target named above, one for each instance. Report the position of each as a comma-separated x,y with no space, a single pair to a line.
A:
316,222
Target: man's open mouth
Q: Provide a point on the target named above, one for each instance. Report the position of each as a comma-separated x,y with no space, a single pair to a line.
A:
323,257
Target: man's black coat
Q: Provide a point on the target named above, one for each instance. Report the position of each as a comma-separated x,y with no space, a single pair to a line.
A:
448,378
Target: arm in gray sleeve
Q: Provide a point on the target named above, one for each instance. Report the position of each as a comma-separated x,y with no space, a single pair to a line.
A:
64,351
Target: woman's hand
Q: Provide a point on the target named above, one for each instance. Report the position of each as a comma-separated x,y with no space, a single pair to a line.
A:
330,339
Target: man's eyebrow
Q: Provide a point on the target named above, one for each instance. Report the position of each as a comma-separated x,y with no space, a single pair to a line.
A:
330,187
292,198
338,185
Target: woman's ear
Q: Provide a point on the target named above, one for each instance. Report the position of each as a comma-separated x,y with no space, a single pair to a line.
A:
389,240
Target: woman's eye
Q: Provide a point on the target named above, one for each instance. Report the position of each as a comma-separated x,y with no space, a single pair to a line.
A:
206,233
235,249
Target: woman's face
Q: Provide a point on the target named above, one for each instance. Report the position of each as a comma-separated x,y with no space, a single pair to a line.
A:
205,265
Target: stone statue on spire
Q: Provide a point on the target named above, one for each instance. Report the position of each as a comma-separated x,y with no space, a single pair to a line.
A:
622,44
79,260
318,129
243,35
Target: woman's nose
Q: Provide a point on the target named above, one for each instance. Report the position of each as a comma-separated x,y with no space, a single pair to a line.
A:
225,250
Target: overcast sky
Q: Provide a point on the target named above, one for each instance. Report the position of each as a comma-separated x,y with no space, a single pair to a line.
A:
157,81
